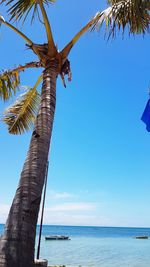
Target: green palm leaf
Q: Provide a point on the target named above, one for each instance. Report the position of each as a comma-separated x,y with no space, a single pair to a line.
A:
21,115
21,8
9,82
131,13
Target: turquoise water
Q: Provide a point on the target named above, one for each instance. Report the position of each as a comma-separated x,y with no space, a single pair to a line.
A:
96,247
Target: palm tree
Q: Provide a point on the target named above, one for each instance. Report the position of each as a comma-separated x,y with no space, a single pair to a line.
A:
18,240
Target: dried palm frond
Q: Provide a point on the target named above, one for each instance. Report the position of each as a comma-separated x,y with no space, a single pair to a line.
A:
21,115
9,82
20,9
122,13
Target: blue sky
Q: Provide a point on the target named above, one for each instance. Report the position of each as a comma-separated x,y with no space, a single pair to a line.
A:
100,151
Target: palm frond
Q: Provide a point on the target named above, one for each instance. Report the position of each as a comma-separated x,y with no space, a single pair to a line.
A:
20,9
10,79
21,115
22,35
122,13
9,82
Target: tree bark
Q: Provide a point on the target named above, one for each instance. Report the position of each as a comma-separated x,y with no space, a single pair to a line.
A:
18,241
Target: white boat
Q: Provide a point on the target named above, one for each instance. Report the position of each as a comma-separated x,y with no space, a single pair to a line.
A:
142,237
57,237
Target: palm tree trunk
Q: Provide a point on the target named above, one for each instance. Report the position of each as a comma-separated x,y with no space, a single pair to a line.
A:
18,241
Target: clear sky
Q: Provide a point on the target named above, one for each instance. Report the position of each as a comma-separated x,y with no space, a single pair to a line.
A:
99,171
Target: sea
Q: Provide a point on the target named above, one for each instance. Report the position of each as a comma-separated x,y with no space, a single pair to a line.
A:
95,246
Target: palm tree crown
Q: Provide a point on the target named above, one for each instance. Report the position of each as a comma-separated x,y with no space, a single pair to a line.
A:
133,14
120,13
20,9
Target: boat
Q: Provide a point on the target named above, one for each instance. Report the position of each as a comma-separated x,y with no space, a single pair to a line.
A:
142,237
57,237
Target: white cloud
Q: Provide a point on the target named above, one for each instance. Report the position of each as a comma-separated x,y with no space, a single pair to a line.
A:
4,209
60,195
72,213
73,206
73,219
82,213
